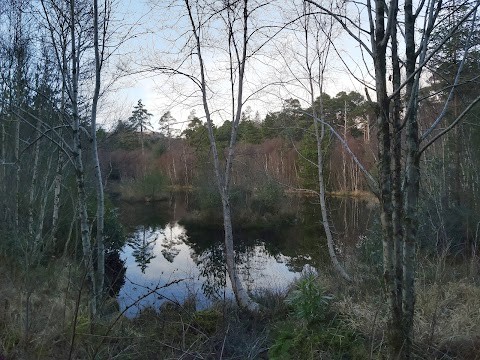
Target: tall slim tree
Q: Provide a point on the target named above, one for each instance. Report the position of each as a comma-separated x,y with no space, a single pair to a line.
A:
234,12
317,56
140,120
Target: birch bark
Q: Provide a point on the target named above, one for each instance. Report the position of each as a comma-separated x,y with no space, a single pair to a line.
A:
78,163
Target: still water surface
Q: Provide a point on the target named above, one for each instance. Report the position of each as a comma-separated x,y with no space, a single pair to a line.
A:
167,260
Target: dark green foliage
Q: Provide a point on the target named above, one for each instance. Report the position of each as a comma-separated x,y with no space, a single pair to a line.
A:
159,148
455,227
113,230
115,239
353,104
207,198
270,129
139,120
289,123
222,134
196,136
314,331
249,132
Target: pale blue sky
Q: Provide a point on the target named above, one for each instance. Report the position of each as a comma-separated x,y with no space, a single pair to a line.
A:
160,93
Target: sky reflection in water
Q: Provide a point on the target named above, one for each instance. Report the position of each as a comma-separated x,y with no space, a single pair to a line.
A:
158,256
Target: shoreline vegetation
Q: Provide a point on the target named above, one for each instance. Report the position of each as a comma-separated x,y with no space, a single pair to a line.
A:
317,317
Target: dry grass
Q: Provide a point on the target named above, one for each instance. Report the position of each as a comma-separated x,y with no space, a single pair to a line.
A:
43,330
447,317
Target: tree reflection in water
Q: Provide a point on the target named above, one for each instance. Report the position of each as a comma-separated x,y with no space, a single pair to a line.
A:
170,243
143,242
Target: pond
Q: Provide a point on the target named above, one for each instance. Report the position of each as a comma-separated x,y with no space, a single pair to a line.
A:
169,259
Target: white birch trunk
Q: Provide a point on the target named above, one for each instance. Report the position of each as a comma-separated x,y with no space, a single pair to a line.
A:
59,172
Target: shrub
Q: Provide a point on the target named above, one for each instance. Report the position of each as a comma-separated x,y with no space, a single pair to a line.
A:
309,300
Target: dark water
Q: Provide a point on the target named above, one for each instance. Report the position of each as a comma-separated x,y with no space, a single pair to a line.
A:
170,260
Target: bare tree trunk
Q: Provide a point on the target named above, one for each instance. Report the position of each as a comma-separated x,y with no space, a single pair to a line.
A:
344,154
396,326
2,149
223,178
185,164
3,170
144,164
323,205
241,295
32,185
319,136
58,174
78,163
17,176
43,204
56,196
412,182
96,162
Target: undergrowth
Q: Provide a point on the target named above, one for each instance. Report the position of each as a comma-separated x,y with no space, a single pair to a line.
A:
315,319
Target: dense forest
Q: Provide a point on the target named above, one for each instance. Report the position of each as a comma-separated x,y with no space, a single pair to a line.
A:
408,139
